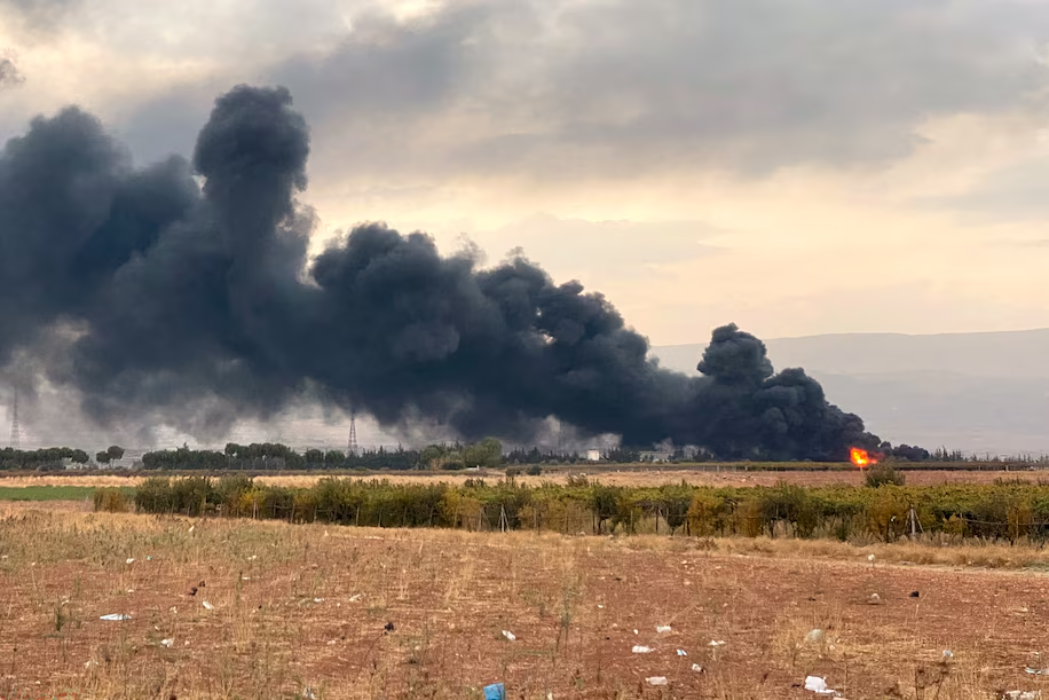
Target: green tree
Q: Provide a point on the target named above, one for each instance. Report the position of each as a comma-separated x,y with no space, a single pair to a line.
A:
115,452
103,457
487,453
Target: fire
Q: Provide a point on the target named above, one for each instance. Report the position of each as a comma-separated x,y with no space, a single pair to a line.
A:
861,459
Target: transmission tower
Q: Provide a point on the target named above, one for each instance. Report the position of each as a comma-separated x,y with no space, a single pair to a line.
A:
15,430
352,447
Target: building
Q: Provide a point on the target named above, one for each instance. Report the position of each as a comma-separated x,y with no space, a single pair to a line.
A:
593,455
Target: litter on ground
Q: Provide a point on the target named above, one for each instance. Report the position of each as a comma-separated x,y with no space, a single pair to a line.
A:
657,680
818,685
168,642
1022,695
697,668
115,617
682,652
663,629
638,649
208,605
815,636
510,637
715,643
496,691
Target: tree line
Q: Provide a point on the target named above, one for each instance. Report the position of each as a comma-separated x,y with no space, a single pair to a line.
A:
1007,511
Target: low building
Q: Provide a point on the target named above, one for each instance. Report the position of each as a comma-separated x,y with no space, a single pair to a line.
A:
593,455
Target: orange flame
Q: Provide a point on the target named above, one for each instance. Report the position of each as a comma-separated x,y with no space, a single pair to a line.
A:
861,459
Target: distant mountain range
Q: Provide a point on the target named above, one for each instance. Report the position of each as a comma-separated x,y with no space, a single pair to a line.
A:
977,392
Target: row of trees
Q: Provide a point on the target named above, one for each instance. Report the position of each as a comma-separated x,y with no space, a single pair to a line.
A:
1008,511
53,458
487,453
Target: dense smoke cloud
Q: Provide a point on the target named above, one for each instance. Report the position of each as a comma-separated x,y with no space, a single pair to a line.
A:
159,298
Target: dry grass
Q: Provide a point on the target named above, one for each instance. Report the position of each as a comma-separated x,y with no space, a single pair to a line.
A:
306,606
653,477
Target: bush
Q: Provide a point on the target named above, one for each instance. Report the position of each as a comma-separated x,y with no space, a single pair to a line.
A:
534,470
882,475
110,500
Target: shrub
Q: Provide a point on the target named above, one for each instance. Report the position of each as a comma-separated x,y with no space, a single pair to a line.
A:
883,474
110,500
534,470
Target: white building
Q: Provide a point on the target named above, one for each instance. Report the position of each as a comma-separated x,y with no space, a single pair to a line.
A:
593,455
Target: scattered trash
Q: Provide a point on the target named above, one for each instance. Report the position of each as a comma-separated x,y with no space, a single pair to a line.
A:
356,597
149,558
131,560
496,691
509,636
193,591
208,605
600,607
815,636
870,558
682,652
635,632
308,694
192,528
1037,671
915,594
657,680
1022,695
389,627
318,600
638,649
819,685
168,642
663,629
253,557
90,663
874,599
697,668
131,590
948,654
716,644
115,617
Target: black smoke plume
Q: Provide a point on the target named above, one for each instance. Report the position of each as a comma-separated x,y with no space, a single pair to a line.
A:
160,298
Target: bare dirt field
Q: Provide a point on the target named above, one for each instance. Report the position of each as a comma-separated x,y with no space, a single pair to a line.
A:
333,612
654,477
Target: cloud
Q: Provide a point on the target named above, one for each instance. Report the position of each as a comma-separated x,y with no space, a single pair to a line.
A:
615,248
39,17
9,74
559,91
1010,194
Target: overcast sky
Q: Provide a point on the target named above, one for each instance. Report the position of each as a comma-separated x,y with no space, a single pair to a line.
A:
794,166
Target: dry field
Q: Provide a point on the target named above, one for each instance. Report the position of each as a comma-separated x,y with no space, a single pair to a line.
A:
655,477
303,610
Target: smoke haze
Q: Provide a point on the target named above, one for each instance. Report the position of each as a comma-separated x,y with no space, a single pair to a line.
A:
159,299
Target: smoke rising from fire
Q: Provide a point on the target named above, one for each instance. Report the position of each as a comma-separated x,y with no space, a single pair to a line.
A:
157,298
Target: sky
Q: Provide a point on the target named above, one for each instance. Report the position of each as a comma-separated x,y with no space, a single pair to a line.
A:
794,166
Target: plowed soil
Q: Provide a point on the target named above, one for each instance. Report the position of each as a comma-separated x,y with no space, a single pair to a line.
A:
347,613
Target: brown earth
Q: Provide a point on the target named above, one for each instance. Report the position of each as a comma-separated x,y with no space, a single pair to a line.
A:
297,606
